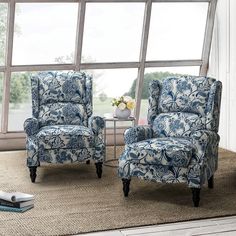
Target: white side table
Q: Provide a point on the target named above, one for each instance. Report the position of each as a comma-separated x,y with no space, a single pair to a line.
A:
114,120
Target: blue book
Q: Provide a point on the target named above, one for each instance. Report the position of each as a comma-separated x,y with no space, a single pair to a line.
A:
16,204
15,209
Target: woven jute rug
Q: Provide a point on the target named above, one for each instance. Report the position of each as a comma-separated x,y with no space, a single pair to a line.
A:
69,199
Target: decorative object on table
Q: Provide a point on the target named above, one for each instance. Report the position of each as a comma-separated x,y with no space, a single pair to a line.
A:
63,129
16,201
181,142
124,105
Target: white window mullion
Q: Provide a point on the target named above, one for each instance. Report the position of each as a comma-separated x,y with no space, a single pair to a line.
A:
46,67
44,1
79,34
181,0
7,75
143,52
103,65
109,65
142,0
173,63
208,37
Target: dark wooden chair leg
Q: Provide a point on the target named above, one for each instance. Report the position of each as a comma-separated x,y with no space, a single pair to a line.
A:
99,169
88,162
33,175
211,182
196,196
126,183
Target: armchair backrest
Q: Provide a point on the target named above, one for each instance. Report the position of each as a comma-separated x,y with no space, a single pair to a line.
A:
61,98
188,94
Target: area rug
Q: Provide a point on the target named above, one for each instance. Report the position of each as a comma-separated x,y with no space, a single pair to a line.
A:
69,199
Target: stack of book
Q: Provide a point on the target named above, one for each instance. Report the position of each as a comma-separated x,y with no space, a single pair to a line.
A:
16,201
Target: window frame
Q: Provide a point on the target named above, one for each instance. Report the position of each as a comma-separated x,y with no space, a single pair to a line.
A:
141,64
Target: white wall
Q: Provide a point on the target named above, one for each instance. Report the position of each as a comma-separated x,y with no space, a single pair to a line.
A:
223,67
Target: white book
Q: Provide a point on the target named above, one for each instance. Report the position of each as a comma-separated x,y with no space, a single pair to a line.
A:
16,196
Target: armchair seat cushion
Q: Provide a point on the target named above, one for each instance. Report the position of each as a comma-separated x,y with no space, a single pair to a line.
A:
65,136
175,152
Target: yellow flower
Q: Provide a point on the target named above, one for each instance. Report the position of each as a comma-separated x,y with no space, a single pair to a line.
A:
130,105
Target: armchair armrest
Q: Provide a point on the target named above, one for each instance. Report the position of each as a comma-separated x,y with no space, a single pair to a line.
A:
206,143
137,133
31,126
96,124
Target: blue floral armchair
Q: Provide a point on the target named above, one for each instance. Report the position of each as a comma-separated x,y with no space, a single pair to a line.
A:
181,142
62,128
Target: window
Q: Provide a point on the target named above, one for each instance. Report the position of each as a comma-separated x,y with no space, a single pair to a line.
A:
46,38
176,31
3,30
44,33
160,73
112,32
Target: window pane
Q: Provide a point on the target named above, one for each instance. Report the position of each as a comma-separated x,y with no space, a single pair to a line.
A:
44,33
160,73
112,32
3,29
20,101
1,93
108,84
176,31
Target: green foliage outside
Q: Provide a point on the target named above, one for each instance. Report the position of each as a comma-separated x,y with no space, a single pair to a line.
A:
20,88
148,77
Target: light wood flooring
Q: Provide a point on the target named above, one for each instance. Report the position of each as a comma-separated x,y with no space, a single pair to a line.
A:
223,226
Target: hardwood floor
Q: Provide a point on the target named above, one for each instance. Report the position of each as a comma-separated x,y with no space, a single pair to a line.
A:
215,226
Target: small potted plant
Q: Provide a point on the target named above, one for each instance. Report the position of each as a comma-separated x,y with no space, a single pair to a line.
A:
124,105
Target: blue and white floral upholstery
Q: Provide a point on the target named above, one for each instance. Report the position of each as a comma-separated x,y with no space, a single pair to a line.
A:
62,128
181,142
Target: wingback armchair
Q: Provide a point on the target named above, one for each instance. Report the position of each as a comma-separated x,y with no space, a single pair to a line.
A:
180,143
62,128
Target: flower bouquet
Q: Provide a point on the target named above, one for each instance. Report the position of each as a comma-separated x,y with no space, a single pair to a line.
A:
124,105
